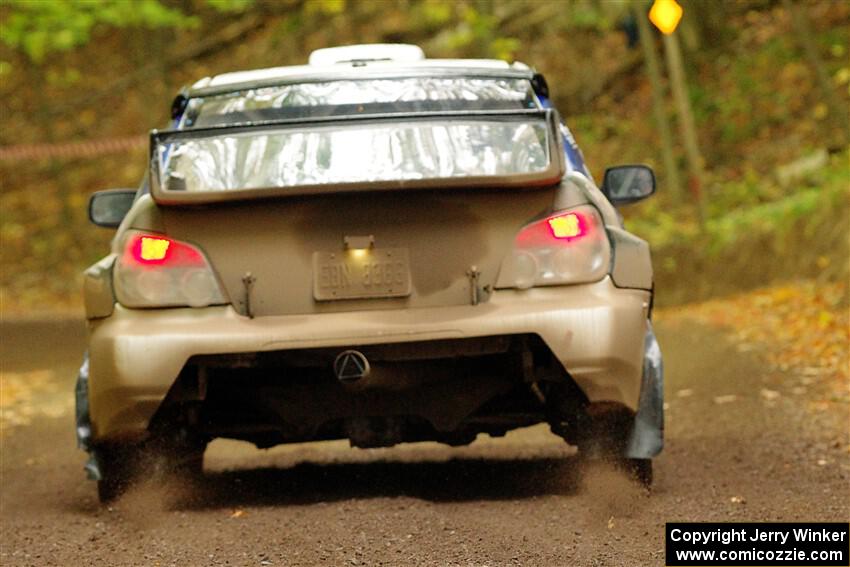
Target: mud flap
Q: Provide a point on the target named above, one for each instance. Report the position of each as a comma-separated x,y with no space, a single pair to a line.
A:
81,394
647,436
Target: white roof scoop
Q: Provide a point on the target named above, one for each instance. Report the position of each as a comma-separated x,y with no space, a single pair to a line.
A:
399,52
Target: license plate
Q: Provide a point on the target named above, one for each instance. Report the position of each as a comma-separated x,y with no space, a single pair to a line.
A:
359,274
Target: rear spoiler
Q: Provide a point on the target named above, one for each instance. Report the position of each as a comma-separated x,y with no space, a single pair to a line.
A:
550,176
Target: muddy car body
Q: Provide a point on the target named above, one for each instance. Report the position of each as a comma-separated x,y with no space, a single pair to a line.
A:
380,248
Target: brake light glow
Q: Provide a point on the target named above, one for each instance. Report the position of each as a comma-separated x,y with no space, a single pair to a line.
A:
152,249
569,225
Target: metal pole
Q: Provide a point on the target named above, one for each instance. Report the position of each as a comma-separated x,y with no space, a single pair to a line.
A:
671,170
686,122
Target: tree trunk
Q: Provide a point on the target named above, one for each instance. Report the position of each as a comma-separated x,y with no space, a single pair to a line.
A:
803,33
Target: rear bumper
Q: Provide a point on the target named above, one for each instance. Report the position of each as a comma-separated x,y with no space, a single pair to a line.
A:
596,330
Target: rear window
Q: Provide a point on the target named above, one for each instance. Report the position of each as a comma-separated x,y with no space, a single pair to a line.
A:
387,150
360,97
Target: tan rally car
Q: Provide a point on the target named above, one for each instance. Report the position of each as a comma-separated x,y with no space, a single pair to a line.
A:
376,247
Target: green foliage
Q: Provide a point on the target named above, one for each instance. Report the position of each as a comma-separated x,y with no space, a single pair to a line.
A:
436,12
477,32
595,15
744,210
230,5
38,28
589,15
505,48
327,7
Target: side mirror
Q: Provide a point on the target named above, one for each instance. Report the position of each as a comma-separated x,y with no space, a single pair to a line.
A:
624,184
108,208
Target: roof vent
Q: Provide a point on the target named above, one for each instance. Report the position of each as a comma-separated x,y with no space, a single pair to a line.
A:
359,54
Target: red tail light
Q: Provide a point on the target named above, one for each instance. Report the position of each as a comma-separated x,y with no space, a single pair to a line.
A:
157,271
567,247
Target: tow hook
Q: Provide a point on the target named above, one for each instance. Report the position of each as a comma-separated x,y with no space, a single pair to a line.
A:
248,281
474,293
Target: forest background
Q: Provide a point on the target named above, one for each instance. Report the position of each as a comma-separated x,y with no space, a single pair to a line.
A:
767,82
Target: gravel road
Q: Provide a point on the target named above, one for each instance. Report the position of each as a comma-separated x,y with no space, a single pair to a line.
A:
743,444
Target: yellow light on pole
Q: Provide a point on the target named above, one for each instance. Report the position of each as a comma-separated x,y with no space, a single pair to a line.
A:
665,14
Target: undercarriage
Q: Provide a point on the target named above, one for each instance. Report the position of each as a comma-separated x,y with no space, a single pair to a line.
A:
444,390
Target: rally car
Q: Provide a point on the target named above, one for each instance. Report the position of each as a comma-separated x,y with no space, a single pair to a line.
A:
376,247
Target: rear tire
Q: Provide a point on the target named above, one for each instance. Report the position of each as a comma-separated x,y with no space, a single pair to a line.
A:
122,466
640,470
116,465
605,438
109,488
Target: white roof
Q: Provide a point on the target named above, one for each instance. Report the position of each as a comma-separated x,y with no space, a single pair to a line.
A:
353,57
369,52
